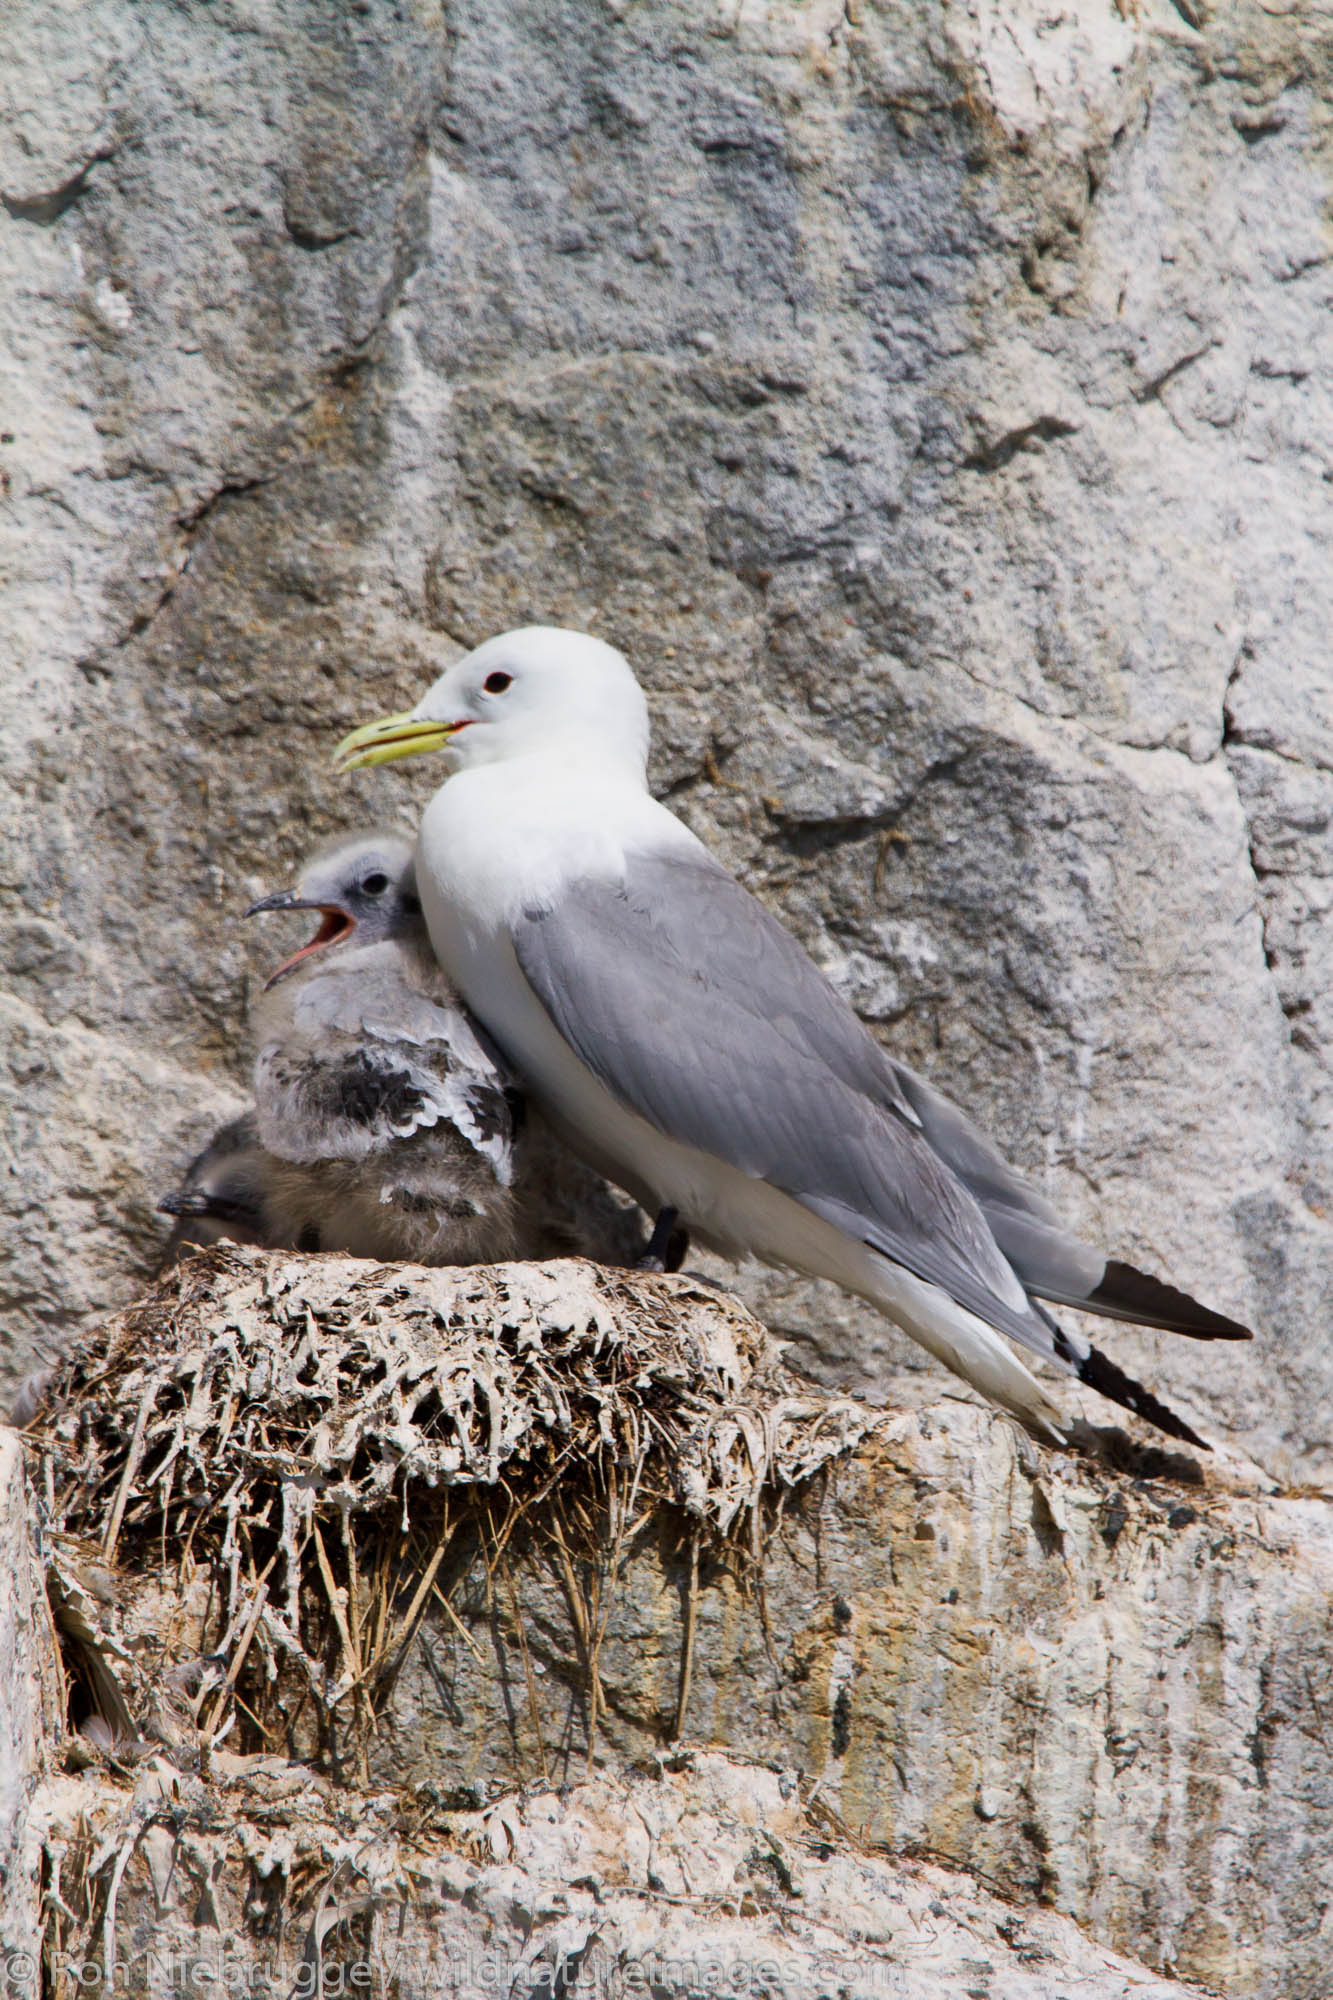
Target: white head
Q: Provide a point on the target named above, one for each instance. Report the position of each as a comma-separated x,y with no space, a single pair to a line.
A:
538,690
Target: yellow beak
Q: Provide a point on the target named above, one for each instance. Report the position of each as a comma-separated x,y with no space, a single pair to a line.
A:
383,742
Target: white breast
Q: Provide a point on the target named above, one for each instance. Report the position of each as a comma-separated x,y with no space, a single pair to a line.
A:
506,837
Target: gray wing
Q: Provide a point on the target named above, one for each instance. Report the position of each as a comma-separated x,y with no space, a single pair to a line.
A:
1049,1259
701,1013
368,1063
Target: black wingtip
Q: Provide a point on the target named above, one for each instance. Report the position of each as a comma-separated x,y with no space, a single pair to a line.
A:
1133,1294
1102,1374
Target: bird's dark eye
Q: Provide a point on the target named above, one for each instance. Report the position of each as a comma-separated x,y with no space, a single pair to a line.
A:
497,683
375,885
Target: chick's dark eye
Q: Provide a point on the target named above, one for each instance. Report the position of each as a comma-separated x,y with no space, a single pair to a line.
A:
375,885
497,683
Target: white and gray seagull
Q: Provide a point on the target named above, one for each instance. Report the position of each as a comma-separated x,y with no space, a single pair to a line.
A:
680,1039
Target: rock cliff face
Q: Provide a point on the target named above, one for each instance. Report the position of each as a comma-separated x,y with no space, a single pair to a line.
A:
934,402
409,1615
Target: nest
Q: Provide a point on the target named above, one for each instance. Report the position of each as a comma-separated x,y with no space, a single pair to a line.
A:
310,1453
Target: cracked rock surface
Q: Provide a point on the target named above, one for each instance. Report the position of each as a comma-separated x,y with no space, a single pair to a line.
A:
705,1876
933,401
404,1614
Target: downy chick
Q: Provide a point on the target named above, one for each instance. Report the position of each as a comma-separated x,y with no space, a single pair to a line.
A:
222,1193
385,1119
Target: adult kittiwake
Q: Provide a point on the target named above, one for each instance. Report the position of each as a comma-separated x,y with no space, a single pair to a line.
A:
680,1039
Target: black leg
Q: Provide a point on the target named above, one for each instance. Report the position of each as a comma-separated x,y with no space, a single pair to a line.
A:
667,1245
678,1247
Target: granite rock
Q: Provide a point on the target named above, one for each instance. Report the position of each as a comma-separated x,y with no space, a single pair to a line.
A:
491,1564
934,402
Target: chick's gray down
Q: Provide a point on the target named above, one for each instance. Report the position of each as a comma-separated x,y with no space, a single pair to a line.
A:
387,1127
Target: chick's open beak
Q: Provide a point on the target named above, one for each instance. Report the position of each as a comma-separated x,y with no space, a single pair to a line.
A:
336,926
397,736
